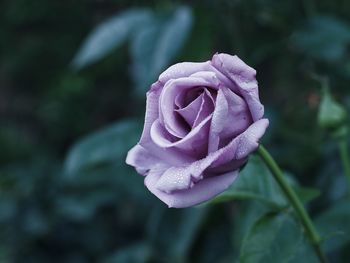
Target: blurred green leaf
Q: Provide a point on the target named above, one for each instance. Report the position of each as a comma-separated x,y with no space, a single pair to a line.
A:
307,194
109,185
200,39
108,145
331,114
176,232
276,238
248,211
256,182
335,220
323,37
154,47
109,35
136,253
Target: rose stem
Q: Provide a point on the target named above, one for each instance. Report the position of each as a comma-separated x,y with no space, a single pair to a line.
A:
295,202
344,155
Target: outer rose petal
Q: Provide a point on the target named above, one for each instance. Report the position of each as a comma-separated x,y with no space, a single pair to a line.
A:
200,192
186,69
238,112
152,112
183,69
233,65
235,153
244,144
244,77
142,159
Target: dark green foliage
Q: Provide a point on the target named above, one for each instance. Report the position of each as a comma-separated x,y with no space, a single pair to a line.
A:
70,111
256,182
276,238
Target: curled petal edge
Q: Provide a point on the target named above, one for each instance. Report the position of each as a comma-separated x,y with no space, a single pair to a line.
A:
186,178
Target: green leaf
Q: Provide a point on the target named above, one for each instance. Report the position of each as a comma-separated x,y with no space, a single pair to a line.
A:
307,194
276,238
108,145
331,114
335,222
155,46
256,182
323,37
109,35
249,212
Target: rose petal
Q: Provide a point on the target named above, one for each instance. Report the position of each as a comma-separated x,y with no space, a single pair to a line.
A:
161,136
184,176
200,192
233,65
152,111
239,114
185,98
206,108
184,69
244,144
169,156
190,112
192,143
244,78
218,121
173,179
216,78
167,102
210,77
143,160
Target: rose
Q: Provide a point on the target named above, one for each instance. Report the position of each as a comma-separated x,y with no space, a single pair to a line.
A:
202,121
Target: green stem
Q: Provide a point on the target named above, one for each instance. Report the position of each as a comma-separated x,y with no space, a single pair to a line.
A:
295,202
344,156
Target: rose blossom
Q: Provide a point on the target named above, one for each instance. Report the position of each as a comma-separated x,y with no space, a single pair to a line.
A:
202,121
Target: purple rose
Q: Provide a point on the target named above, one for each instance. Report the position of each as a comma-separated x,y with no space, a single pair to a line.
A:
202,121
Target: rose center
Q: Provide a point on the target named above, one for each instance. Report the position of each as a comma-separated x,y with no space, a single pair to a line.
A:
194,106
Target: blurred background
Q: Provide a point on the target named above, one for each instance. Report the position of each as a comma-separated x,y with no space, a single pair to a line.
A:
73,78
